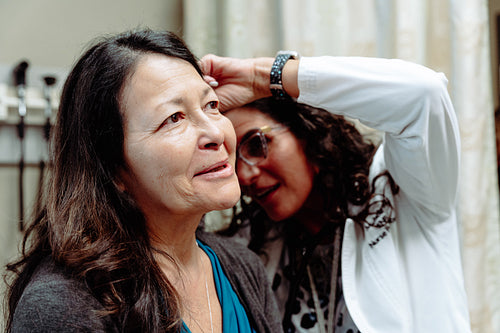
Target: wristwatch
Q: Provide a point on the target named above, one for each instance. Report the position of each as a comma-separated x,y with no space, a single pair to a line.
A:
276,84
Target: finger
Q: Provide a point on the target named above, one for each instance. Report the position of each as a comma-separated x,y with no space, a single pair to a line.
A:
205,63
211,81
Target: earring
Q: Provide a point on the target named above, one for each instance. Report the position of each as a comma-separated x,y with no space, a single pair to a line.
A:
360,189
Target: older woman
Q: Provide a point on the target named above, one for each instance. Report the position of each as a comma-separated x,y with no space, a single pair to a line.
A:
140,154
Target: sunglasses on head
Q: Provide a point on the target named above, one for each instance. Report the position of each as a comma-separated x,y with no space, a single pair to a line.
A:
253,147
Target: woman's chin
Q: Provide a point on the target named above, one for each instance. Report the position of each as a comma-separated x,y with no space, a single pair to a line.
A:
277,216
228,200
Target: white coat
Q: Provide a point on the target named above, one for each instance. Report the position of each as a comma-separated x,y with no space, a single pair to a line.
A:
405,278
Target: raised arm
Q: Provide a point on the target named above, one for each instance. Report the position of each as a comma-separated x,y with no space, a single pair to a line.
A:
407,101
241,81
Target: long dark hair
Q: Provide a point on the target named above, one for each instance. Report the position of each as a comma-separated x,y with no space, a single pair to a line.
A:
333,144
87,225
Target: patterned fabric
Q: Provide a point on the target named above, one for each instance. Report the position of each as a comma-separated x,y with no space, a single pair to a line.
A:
304,316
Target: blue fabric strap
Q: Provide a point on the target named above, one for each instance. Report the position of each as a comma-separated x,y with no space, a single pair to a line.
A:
234,316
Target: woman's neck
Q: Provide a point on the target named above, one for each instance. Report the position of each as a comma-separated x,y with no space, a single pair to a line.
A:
311,220
175,236
311,214
188,268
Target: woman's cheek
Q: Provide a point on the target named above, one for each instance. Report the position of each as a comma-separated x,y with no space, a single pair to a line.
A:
229,137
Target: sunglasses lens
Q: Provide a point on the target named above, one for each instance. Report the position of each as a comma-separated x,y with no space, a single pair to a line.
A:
253,149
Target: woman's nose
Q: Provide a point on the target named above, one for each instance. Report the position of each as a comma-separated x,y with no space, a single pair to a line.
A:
247,174
212,136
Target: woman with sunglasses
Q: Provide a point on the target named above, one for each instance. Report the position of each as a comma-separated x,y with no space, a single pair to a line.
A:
354,238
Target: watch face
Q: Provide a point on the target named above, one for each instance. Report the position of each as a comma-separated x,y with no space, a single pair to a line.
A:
292,54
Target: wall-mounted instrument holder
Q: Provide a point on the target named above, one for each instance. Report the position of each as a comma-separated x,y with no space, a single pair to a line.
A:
35,104
25,121
35,121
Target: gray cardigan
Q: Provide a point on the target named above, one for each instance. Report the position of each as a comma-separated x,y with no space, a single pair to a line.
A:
56,302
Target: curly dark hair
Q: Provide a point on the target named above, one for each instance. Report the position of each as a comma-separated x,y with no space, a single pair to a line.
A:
90,228
333,144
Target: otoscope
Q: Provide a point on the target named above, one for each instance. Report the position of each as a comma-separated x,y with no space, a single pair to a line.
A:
49,81
19,74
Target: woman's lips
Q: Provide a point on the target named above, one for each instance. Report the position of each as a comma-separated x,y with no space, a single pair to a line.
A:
220,169
212,170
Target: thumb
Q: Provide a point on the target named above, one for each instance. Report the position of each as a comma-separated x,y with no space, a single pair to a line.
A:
206,64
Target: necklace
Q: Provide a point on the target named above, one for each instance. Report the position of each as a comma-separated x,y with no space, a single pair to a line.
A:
330,328
208,294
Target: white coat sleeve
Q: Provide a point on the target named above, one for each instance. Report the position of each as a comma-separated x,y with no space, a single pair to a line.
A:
408,102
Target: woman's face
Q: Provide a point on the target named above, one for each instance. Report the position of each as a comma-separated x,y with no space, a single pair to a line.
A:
282,182
179,150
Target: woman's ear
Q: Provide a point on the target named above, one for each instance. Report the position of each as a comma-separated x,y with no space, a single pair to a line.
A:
316,169
119,184
118,181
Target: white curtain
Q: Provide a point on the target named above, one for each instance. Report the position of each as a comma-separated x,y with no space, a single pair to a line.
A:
451,36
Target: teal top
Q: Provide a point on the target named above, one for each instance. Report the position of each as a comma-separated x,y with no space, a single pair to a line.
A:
234,316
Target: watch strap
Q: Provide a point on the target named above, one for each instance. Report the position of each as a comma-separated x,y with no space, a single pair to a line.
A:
276,82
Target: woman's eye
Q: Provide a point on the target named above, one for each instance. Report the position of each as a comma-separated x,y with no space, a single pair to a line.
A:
213,105
174,118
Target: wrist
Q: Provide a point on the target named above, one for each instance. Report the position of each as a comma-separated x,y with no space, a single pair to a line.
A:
262,70
290,75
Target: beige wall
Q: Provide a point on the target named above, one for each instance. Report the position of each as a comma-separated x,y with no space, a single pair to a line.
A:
51,34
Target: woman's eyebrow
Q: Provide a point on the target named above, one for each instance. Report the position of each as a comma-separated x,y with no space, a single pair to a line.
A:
180,100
